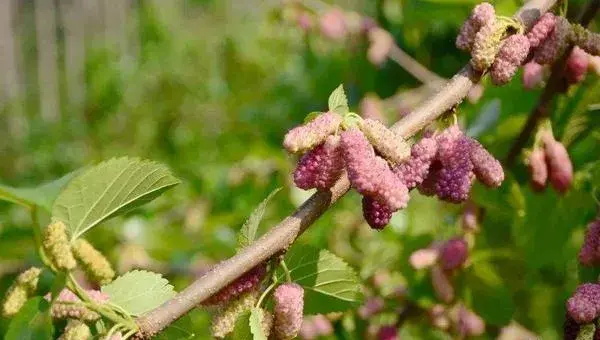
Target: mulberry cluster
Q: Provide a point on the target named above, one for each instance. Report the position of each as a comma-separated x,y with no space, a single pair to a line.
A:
57,246
533,75
288,307
584,305
589,255
577,65
69,306
224,322
320,167
93,262
550,162
17,294
245,283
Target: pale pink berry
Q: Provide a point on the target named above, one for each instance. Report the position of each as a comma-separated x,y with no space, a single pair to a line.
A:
333,24
487,168
469,323
480,16
454,254
584,305
577,65
320,167
511,55
244,283
381,43
376,214
456,176
466,35
414,170
424,258
589,254
369,174
555,44
538,169
533,75
288,307
502,72
541,30
560,168
442,286
305,137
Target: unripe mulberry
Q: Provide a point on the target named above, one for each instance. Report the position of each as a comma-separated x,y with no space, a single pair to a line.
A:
456,176
391,146
56,243
15,298
333,24
387,333
541,30
588,41
305,137
511,55
570,328
76,330
244,283
538,169
533,75
93,262
29,279
320,167
481,15
486,45
454,254
224,322
381,42
469,323
376,214
554,46
413,171
589,255
442,286
288,307
487,168
584,305
576,65
369,174
560,168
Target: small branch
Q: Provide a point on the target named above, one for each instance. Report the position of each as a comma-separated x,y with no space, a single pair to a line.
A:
556,84
283,235
412,66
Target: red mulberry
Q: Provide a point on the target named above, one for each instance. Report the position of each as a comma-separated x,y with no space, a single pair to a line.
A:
589,255
288,307
533,75
369,174
456,176
584,305
320,167
414,171
511,55
376,214
487,168
577,65
560,168
541,30
454,253
538,169
554,46
243,284
305,137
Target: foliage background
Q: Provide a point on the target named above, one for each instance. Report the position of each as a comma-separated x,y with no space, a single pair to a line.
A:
213,89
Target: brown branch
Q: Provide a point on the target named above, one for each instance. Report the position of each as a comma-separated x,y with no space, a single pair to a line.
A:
412,66
281,236
556,84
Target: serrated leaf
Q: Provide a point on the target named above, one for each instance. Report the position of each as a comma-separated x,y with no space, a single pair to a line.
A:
256,319
311,116
241,330
178,330
586,332
247,233
338,102
330,284
108,189
42,195
139,291
33,322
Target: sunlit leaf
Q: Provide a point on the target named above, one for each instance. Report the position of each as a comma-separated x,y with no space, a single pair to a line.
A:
42,195
33,322
337,101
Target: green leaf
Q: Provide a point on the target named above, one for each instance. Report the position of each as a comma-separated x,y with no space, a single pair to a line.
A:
586,332
241,330
247,234
108,189
177,330
32,322
311,116
330,284
139,291
338,102
256,319
489,294
42,195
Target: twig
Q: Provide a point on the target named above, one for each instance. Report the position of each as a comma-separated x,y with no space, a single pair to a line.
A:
556,83
283,235
420,72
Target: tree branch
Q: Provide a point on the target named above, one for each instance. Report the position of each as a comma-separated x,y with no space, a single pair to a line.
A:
281,236
556,84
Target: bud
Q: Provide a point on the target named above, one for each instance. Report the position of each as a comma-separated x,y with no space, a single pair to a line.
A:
442,286
224,322
469,323
381,42
560,168
481,15
541,30
456,176
369,174
533,75
556,43
570,328
584,305
93,262
56,243
29,279
486,45
305,137
372,306
288,306
454,254
589,255
391,146
576,65
333,24
389,332
424,258
588,41
15,298
487,168
413,171
76,330
376,214
511,55
243,284
320,167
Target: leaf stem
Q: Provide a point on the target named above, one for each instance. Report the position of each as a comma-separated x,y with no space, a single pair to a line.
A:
288,277
265,293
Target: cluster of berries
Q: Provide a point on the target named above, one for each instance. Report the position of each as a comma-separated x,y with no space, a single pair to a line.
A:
549,161
492,46
583,308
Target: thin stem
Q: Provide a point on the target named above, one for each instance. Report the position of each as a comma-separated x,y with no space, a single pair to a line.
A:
265,293
129,334
288,277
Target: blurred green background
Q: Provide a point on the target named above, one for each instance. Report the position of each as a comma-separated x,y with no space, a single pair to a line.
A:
210,87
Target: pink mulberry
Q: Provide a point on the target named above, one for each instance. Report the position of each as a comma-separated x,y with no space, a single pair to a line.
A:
538,169
454,253
554,46
511,55
369,174
533,75
487,168
305,137
584,305
427,187
589,255
333,24
288,307
320,167
577,65
414,171
502,72
560,168
456,176
541,30
376,214
480,16
243,284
